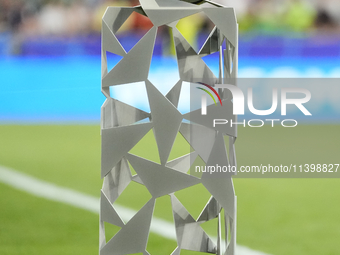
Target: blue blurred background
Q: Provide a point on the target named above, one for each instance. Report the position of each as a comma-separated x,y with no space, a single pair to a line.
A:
50,50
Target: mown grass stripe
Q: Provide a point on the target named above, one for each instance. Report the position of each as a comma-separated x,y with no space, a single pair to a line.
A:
90,203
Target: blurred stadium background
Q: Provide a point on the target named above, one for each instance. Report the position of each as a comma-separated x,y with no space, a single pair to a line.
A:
268,28
50,110
51,48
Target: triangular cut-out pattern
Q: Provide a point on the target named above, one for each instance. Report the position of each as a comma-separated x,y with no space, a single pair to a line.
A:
109,214
202,144
133,29
225,21
137,230
169,15
190,65
196,203
162,54
133,94
167,120
207,37
135,195
215,112
184,163
214,40
163,210
127,136
212,61
168,180
135,65
116,180
210,211
211,43
190,236
115,17
116,113
110,230
223,190
147,148
174,93
110,42
112,60
210,227
180,148
189,28
184,98
154,152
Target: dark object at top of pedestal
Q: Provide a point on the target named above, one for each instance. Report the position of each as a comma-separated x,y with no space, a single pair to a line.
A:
177,3
194,1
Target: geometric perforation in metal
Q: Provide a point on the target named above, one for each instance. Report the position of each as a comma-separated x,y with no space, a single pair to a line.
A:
124,127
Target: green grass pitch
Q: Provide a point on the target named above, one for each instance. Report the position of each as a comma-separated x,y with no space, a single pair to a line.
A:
277,216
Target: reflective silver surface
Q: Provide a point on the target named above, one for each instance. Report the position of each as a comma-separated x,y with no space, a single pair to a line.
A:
123,126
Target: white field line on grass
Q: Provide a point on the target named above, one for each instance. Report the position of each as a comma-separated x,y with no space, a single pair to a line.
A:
90,203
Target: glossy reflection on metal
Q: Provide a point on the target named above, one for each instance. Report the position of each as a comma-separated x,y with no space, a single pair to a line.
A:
123,126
